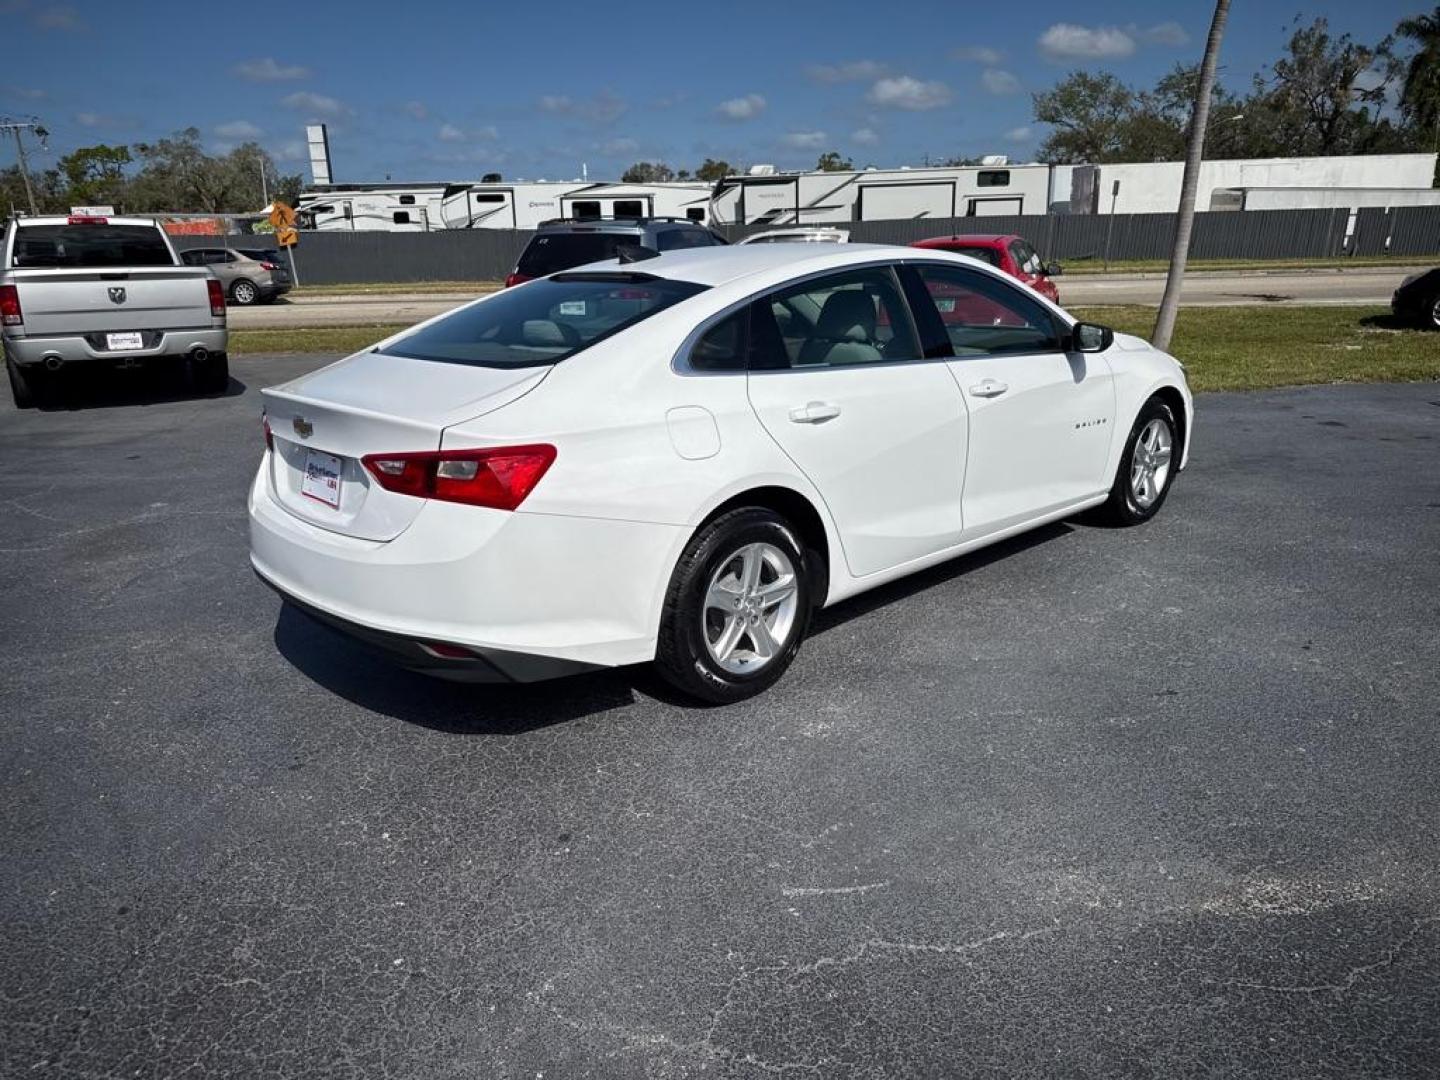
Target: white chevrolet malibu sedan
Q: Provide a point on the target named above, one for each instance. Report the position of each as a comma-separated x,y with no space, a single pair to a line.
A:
677,458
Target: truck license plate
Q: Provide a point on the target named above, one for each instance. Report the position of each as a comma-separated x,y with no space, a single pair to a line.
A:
117,342
322,478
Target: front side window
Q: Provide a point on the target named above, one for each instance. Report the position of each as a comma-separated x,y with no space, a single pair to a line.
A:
855,317
1025,257
543,322
983,316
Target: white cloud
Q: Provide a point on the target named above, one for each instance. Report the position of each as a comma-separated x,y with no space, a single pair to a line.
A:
238,129
90,119
979,54
1166,33
853,71
268,69
905,92
1019,134
26,93
619,147
451,134
804,140
864,136
318,104
294,150
997,81
604,108
741,108
60,18
416,109
1066,41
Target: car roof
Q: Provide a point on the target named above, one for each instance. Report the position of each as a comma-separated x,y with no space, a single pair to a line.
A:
973,239
722,264
617,224
64,219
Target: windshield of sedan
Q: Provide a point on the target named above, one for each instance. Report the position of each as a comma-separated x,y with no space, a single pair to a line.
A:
543,322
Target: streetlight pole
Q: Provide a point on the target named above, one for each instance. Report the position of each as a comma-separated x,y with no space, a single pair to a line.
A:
15,127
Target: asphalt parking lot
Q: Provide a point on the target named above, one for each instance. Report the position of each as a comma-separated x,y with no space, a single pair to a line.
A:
1149,802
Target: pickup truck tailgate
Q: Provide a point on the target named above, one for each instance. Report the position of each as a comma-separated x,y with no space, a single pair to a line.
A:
71,302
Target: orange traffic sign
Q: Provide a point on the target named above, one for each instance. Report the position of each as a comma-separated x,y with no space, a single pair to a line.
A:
286,236
281,216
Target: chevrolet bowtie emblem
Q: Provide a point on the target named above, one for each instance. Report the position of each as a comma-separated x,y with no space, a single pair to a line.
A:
303,427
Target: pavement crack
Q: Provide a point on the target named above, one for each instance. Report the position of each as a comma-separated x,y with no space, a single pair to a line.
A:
1353,976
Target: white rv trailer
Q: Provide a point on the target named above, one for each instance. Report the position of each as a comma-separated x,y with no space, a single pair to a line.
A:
372,207
812,198
522,205
517,205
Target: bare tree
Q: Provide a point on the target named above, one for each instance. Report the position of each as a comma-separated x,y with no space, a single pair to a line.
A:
1170,302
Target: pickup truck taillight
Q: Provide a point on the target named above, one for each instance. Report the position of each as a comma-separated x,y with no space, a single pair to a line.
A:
217,298
10,313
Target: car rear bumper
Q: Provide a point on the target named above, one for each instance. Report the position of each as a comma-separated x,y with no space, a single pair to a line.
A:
531,596
83,349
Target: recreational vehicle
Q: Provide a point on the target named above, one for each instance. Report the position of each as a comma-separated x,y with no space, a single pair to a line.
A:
372,207
526,205
767,197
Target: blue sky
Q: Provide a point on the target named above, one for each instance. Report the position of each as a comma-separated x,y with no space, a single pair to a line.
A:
447,90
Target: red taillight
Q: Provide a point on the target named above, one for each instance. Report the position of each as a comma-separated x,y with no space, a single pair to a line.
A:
269,266
10,313
515,278
269,435
499,477
217,298
86,219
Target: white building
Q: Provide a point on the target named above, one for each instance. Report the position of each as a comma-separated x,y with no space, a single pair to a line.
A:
1154,187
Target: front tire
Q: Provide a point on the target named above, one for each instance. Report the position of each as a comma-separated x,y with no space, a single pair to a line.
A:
244,292
1147,467
1433,319
737,608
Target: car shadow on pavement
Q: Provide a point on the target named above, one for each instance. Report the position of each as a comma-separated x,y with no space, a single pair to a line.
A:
830,618
120,390
361,676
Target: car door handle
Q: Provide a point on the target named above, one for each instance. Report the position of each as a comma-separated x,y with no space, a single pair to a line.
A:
989,388
814,412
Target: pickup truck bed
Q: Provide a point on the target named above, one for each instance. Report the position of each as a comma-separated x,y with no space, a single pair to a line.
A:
79,293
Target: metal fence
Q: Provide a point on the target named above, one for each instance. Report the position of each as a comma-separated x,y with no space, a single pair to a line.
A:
336,258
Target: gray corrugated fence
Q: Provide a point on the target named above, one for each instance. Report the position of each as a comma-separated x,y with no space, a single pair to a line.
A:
335,258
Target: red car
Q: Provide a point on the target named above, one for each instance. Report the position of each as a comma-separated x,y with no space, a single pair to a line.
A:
1012,254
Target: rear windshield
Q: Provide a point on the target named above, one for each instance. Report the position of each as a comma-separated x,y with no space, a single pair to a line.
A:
984,254
543,322
553,252
75,247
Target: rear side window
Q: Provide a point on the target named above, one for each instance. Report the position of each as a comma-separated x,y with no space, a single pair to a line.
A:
76,247
550,253
543,322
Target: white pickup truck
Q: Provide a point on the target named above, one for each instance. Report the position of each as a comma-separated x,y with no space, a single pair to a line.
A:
78,292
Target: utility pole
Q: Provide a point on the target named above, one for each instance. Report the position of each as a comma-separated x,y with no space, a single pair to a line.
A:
1185,220
15,127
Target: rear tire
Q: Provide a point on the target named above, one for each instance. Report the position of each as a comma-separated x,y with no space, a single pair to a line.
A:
737,608
1147,467
26,387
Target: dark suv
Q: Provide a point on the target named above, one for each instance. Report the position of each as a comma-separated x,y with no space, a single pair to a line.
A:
565,243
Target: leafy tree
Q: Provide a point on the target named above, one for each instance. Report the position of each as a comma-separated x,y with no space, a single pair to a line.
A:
682,174
1420,77
51,196
713,170
831,161
95,174
1088,115
646,172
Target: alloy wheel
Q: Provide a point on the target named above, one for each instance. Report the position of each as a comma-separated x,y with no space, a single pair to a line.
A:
750,608
1150,463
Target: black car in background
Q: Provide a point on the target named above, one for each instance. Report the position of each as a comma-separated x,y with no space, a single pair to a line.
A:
1418,299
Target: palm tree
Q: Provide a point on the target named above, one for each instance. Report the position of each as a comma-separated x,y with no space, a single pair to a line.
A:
1420,90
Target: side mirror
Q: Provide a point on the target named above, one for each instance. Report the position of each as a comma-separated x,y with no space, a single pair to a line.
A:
1088,337
1053,269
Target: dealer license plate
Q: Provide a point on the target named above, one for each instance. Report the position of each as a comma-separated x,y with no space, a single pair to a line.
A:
322,478
117,342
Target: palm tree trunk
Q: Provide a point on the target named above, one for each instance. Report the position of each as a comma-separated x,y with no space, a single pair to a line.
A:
1170,302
